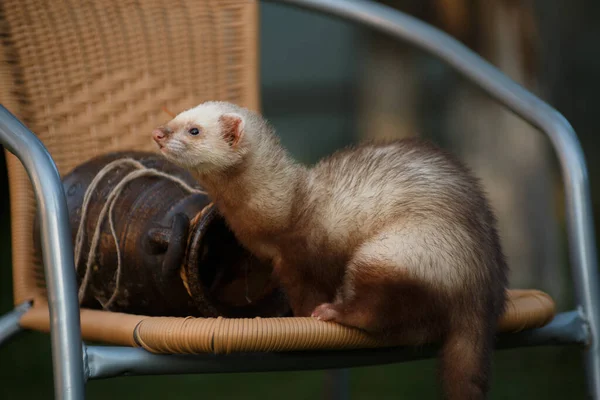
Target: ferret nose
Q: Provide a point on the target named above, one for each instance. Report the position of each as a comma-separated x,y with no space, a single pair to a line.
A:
158,135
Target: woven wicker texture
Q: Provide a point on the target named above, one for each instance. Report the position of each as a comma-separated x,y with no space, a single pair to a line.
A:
96,326
91,76
525,309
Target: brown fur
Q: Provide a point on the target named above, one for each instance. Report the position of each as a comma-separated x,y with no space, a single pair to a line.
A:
393,238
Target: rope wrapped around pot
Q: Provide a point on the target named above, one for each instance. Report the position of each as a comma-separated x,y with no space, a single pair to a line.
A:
147,240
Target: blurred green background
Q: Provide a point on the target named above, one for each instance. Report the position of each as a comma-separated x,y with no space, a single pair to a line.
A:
326,83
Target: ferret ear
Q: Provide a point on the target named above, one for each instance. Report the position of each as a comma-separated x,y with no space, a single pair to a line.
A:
232,127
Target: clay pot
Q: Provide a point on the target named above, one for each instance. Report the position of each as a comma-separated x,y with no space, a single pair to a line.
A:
178,257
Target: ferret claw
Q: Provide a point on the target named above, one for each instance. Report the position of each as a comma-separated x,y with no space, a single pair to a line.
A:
325,312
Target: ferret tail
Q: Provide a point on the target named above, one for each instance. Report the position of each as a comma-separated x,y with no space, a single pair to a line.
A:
465,362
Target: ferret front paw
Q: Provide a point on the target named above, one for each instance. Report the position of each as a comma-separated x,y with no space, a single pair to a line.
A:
326,312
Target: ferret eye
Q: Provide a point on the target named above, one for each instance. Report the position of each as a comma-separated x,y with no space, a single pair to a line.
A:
194,131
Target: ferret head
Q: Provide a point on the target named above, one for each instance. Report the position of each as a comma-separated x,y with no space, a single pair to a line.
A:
208,138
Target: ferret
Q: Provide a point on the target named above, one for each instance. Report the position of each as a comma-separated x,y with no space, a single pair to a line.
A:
394,238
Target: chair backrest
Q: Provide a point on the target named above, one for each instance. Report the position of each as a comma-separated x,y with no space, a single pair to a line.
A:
90,77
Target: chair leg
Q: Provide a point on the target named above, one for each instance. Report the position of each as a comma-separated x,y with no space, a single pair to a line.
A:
337,384
9,322
592,364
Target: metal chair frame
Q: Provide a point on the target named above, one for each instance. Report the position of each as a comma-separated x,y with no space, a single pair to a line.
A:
75,362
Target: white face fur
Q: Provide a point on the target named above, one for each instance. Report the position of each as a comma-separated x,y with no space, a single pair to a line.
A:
206,138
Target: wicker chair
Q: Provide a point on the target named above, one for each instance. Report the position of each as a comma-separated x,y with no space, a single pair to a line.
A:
91,77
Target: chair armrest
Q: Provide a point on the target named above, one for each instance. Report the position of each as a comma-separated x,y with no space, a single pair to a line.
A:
57,251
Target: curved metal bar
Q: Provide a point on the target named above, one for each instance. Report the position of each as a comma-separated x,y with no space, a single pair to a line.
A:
530,108
57,252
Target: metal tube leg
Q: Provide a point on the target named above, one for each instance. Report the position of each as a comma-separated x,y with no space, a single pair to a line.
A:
57,251
9,323
592,363
337,384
